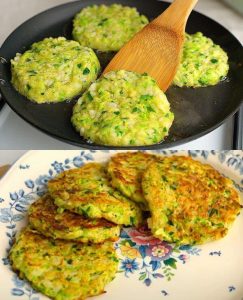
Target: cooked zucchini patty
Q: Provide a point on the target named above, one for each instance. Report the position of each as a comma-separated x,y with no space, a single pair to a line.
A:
63,270
203,63
54,70
123,108
45,218
190,202
86,191
107,28
126,170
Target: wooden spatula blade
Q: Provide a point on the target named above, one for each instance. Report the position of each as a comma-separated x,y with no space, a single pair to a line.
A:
157,48
139,55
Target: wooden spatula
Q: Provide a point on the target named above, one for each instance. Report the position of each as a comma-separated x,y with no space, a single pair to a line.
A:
3,170
156,49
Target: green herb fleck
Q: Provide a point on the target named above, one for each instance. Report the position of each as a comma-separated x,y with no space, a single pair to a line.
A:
86,71
212,212
79,66
170,223
135,109
32,72
146,97
114,259
132,220
35,50
214,60
150,108
118,131
60,210
76,48
203,81
211,182
102,22
89,96
173,186
85,212
164,178
227,193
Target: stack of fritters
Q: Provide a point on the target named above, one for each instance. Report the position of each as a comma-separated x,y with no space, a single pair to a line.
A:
66,251
189,202
45,218
87,191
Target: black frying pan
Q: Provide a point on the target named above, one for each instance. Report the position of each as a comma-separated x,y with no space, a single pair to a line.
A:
197,111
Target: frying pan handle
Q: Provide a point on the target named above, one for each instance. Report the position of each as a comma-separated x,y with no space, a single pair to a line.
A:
238,130
2,102
2,82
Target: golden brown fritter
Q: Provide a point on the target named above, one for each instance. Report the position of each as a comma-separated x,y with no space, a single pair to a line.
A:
126,171
63,270
45,217
190,202
87,191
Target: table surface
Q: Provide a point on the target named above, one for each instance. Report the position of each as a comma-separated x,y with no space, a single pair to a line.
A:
17,134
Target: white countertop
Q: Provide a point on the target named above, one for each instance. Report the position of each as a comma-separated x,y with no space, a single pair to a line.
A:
9,157
17,134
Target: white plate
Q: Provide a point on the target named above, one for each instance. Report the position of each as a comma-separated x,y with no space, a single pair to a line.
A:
210,272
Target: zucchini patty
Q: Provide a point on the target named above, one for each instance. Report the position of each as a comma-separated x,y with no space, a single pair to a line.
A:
203,63
190,202
86,191
126,170
107,28
123,108
54,70
63,270
45,217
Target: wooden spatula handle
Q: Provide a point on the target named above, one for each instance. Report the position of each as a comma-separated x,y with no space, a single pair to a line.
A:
176,15
4,169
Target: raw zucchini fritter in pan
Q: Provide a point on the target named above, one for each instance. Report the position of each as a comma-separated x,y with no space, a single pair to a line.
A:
107,28
54,70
